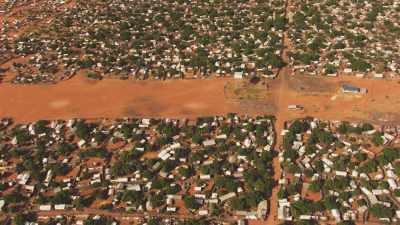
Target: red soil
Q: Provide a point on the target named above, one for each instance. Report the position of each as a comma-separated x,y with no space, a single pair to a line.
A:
114,98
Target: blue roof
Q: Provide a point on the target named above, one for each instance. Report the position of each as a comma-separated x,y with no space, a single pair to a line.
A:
349,87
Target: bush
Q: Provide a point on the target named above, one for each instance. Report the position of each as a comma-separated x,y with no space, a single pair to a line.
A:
315,186
380,211
185,172
377,139
107,207
65,149
14,197
367,127
62,197
22,136
299,127
82,130
282,193
157,200
197,139
190,202
95,152
288,140
397,192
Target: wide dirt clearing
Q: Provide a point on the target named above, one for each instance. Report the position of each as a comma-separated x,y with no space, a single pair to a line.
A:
113,98
110,98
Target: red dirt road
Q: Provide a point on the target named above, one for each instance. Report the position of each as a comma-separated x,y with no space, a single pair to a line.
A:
114,98
79,97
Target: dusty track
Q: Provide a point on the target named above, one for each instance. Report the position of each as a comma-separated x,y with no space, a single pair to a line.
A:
79,97
114,98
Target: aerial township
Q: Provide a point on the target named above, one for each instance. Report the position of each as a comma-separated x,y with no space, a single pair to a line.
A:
177,39
203,170
151,39
209,167
359,38
339,172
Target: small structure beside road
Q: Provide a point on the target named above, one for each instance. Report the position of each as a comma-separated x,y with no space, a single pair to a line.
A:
348,88
295,107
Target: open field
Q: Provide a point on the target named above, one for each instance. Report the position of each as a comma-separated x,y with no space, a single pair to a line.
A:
325,99
114,98
82,98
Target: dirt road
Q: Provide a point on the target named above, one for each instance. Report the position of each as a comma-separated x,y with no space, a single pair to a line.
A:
114,98
78,97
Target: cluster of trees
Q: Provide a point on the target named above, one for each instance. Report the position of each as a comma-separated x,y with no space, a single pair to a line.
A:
306,207
14,197
321,136
377,139
22,136
381,211
124,166
99,221
94,75
22,218
193,221
95,152
65,149
359,161
83,129
247,201
346,128
62,197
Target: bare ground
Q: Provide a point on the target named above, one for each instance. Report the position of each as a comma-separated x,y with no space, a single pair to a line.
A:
79,97
114,98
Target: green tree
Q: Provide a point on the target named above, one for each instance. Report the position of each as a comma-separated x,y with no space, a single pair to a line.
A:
315,186
62,197
190,202
377,139
381,211
185,172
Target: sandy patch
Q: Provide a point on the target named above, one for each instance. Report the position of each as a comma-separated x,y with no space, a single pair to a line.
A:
194,106
59,104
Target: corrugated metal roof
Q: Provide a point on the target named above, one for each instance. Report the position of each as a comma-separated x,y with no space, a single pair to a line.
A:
349,87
